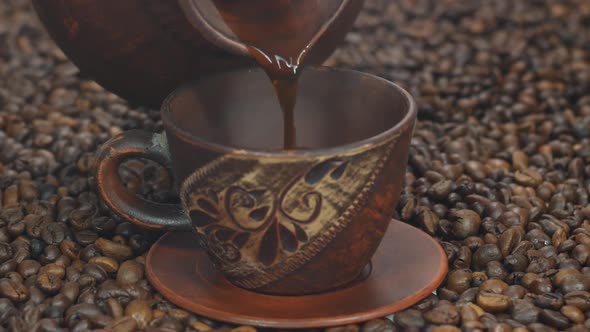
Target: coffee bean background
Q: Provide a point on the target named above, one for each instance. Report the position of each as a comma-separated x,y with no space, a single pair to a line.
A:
499,171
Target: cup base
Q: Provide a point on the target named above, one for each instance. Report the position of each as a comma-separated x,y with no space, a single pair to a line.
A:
408,266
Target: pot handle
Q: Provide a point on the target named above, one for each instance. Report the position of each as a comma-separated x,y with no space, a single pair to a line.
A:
147,214
193,13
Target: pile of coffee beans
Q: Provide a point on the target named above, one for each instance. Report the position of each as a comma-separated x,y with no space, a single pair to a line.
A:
499,172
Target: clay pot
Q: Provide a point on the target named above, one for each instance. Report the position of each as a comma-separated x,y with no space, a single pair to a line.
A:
143,49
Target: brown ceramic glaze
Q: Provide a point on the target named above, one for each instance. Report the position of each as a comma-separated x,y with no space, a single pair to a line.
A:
406,268
143,49
275,221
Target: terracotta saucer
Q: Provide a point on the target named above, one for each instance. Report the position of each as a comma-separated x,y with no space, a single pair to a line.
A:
406,268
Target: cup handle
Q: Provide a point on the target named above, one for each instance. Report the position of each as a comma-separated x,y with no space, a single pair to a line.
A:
147,214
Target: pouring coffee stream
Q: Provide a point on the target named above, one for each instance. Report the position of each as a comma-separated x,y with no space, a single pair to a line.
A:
282,53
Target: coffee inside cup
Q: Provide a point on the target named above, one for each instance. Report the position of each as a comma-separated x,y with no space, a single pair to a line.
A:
334,108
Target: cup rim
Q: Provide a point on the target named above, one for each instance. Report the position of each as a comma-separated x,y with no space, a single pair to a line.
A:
383,136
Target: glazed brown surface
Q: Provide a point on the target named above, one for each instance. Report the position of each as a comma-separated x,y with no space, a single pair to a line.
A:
407,267
142,50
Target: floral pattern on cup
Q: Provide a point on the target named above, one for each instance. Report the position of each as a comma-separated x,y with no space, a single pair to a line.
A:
260,214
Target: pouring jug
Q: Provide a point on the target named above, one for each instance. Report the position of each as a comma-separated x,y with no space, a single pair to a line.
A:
141,50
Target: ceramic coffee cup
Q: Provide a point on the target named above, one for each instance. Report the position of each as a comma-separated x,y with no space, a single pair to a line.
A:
288,222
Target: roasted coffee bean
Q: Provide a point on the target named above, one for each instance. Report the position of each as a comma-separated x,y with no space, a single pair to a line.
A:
34,225
443,314
541,264
579,299
61,301
428,220
510,239
168,323
447,294
488,320
470,312
54,313
54,269
486,254
110,289
495,269
141,311
89,252
492,302
16,227
538,327
516,262
137,291
465,223
520,160
85,237
28,268
468,295
53,233
35,294
139,243
378,325
81,326
37,248
15,276
48,283
569,264
410,318
523,247
114,250
71,290
97,273
125,229
103,225
494,286
7,266
7,310
541,286
581,253
548,301
31,314
130,272
525,312
478,278
14,291
5,252
555,319
82,311
573,314
12,214
459,280
515,292
408,209
114,308
538,238
69,248
463,260
108,264
50,254
123,324
427,303
578,282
